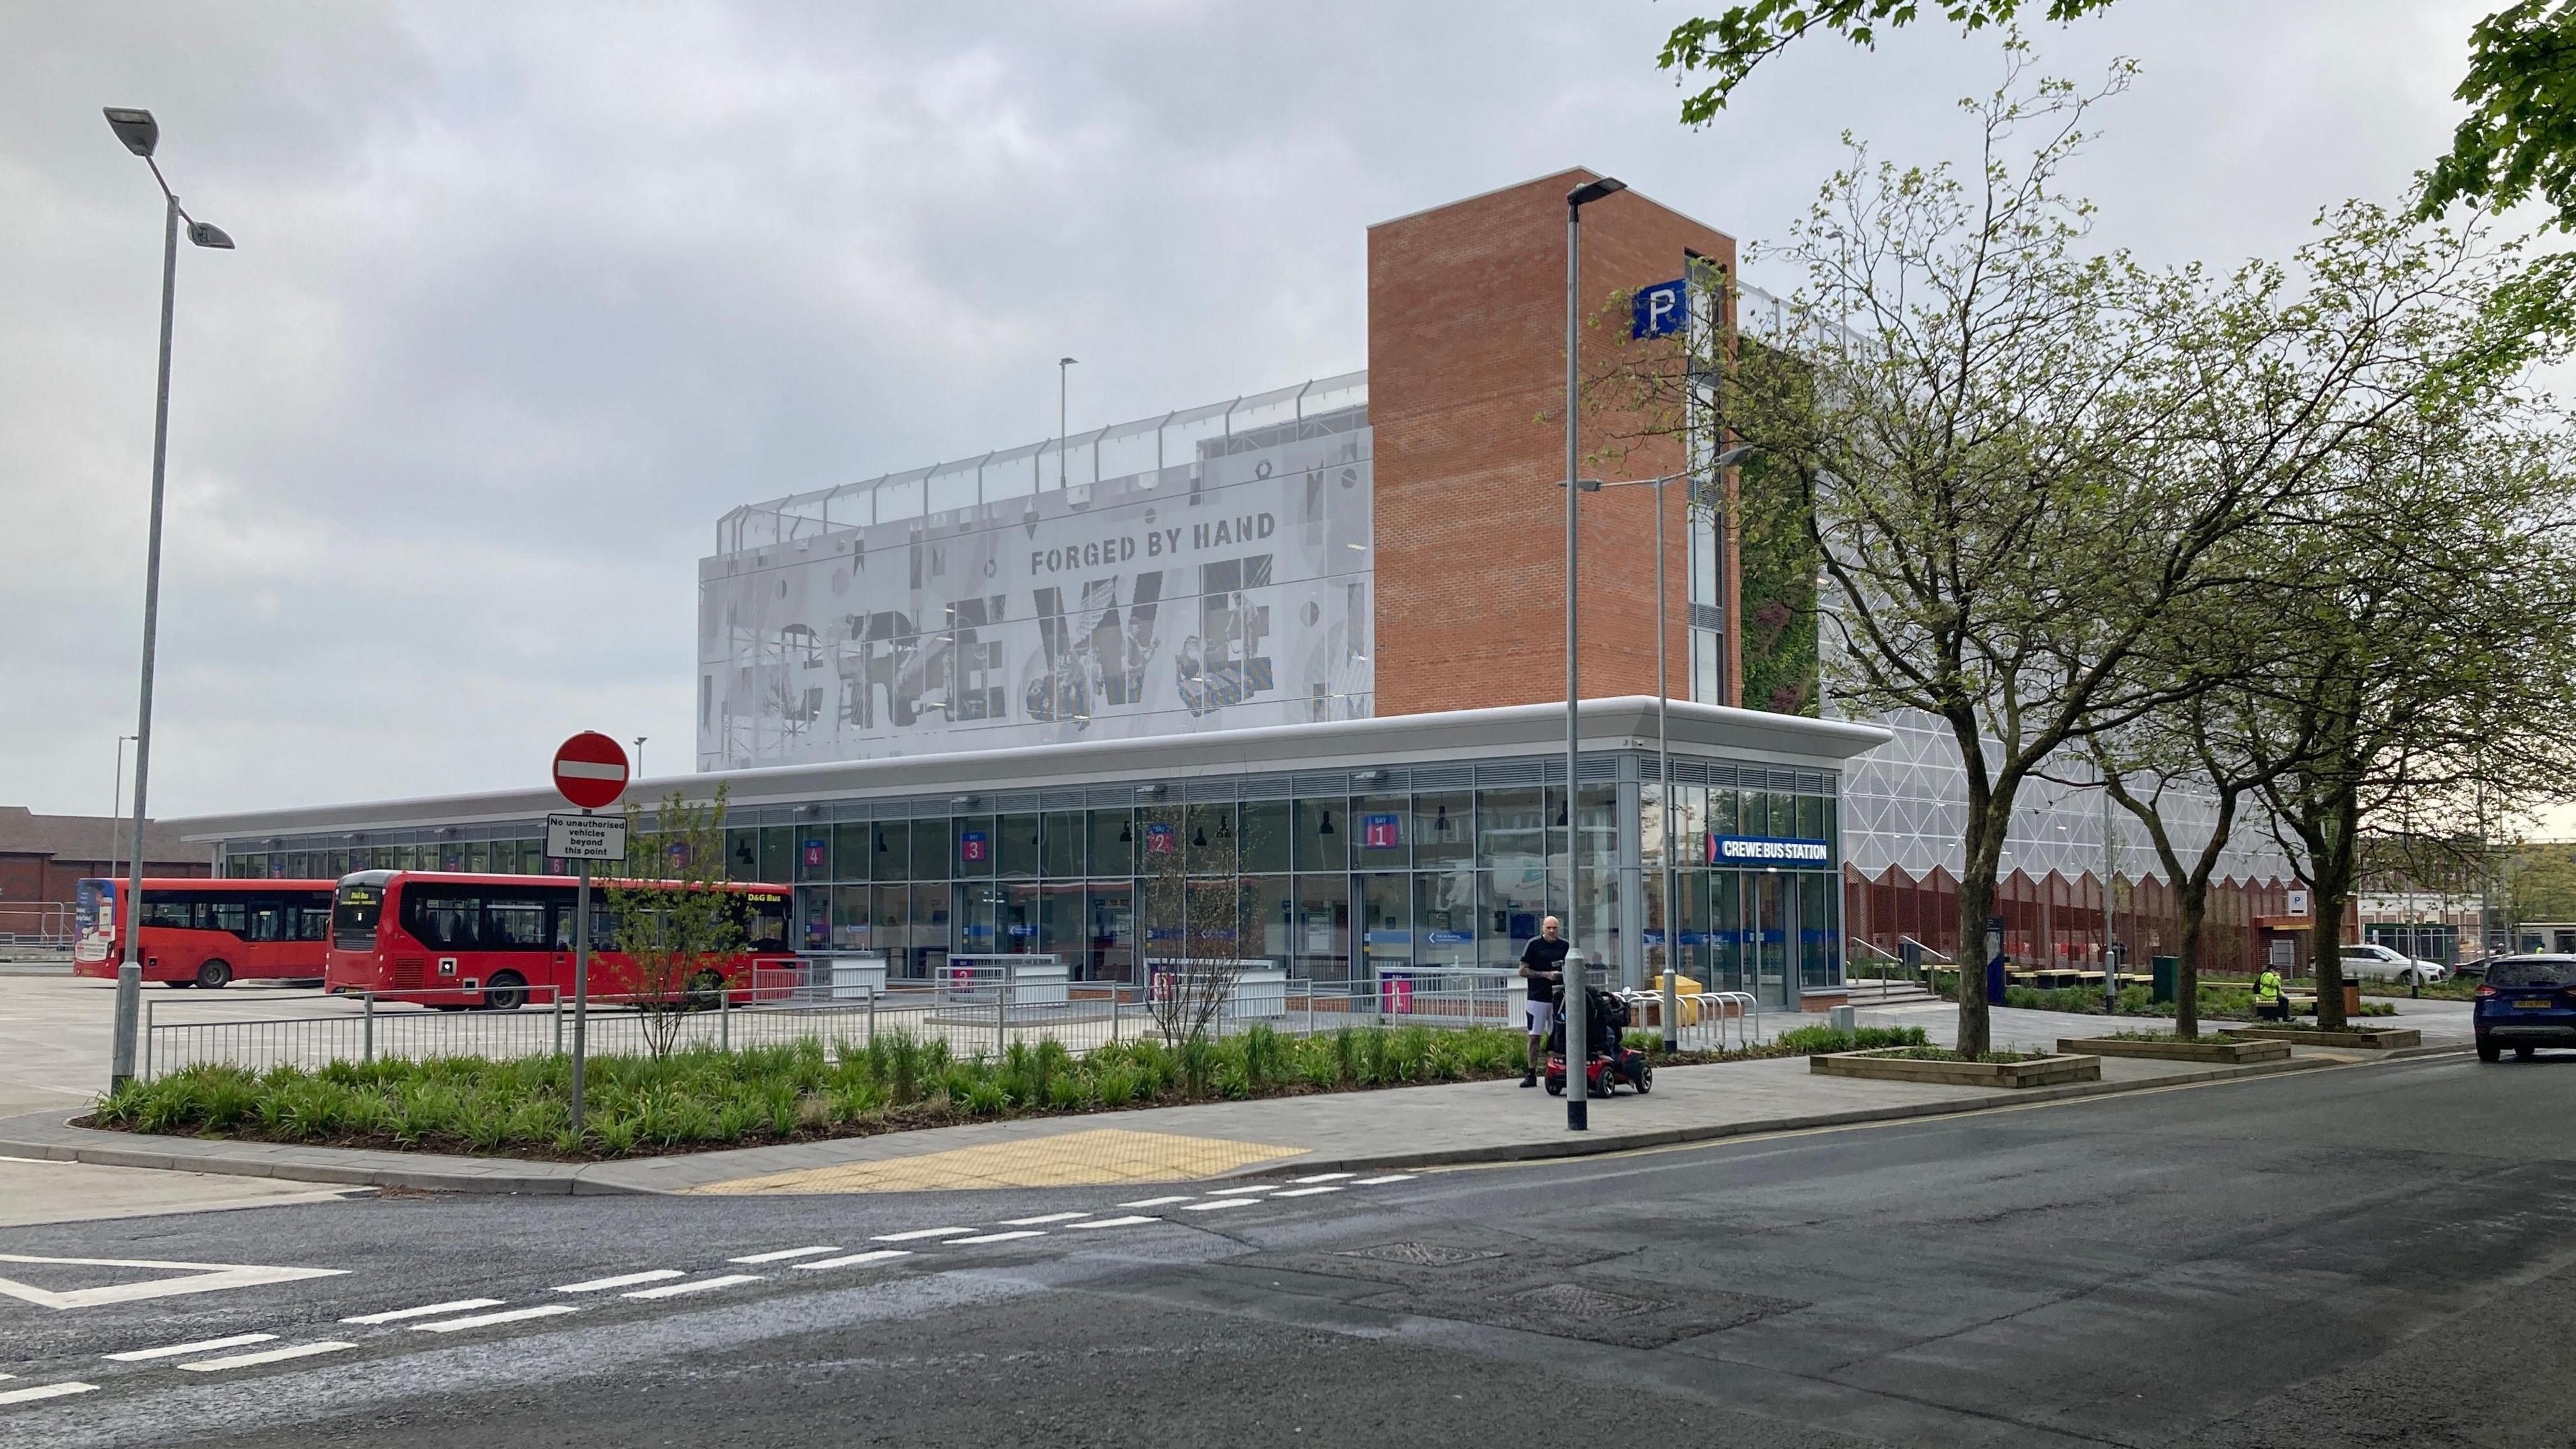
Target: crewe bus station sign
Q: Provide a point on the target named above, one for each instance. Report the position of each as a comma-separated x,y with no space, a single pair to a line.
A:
590,770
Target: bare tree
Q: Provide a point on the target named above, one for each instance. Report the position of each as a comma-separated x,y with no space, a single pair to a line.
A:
1966,407
1201,929
675,921
2433,604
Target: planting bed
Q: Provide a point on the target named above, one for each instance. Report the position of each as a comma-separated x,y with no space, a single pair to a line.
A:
1916,1065
2169,1050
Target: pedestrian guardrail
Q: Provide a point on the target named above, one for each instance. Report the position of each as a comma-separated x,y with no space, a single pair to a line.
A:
313,1029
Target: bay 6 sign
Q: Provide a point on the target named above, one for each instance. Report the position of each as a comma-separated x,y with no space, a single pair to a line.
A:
1222,593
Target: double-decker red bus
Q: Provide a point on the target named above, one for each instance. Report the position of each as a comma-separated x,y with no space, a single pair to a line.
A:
210,933
452,940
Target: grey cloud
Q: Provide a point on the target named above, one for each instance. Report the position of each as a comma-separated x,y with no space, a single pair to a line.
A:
528,295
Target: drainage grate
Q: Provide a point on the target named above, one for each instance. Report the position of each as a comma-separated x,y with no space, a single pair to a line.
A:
1420,1255
1578,1300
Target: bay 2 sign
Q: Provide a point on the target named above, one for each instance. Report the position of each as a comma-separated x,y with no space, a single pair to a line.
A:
1762,850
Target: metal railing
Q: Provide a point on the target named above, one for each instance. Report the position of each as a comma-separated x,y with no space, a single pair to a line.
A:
311,1029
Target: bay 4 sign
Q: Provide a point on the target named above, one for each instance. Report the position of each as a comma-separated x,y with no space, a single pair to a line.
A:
1763,850
586,837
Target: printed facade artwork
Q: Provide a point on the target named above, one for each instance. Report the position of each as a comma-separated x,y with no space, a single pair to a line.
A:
1229,592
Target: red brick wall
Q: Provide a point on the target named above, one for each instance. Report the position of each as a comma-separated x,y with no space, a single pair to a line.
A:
1466,398
27,879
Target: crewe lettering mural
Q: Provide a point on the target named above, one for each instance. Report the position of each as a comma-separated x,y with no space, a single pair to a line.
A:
1227,592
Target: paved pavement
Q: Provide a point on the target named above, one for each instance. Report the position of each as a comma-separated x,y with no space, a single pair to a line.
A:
2326,1257
56,1029
1399,1127
64,1192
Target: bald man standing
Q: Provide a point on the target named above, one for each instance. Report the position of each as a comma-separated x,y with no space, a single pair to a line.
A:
1542,966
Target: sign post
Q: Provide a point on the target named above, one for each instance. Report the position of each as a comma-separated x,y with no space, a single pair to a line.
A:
589,771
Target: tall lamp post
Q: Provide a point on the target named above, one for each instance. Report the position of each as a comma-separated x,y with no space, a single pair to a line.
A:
639,757
1061,416
141,133
1578,980
116,806
1663,725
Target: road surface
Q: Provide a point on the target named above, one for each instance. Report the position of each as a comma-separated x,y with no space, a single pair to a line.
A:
2377,1254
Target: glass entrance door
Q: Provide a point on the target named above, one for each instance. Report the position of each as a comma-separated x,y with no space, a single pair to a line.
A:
1773,927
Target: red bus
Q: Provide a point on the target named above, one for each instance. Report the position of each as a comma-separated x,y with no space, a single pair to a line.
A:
210,933
453,940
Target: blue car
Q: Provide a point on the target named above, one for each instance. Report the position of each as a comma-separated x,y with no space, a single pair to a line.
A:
2526,1003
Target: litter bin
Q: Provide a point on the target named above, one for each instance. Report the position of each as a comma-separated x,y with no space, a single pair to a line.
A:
2168,982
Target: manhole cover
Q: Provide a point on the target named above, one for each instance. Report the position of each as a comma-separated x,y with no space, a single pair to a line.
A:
1420,1255
1576,1300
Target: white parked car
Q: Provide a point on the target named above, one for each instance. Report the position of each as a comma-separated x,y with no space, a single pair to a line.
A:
2366,963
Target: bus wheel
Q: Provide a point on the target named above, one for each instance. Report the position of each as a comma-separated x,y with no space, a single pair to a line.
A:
706,991
505,991
214,975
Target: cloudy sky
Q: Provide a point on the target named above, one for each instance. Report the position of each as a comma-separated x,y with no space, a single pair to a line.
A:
528,295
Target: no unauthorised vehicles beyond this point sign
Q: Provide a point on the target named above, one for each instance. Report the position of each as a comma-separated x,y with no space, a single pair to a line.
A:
590,770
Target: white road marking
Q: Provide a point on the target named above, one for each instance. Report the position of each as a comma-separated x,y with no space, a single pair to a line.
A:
993,1237
622,1280
1382,1181
485,1320
273,1355
1156,1201
1043,1218
207,1345
919,1233
1125,1222
199,1278
1324,1177
430,1311
784,1254
44,1391
855,1259
1304,1191
697,1285
1220,1203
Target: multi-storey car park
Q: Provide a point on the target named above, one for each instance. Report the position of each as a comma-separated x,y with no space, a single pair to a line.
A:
1314,637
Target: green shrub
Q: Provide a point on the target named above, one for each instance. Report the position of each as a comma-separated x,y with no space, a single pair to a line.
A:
616,1136
857,1101
700,1095
1812,1040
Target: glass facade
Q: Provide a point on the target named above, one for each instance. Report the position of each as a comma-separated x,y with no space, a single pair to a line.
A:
1339,878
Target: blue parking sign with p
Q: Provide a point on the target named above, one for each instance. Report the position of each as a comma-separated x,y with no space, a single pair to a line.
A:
1661,309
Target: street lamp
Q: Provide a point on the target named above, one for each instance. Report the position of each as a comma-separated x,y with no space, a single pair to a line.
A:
1061,364
1577,1114
116,805
639,757
141,134
1663,727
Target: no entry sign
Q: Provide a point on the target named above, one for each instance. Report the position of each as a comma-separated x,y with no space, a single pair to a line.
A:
590,770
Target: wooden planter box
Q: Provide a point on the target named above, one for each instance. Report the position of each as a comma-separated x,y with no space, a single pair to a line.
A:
2037,1072
2382,1039
2228,1052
